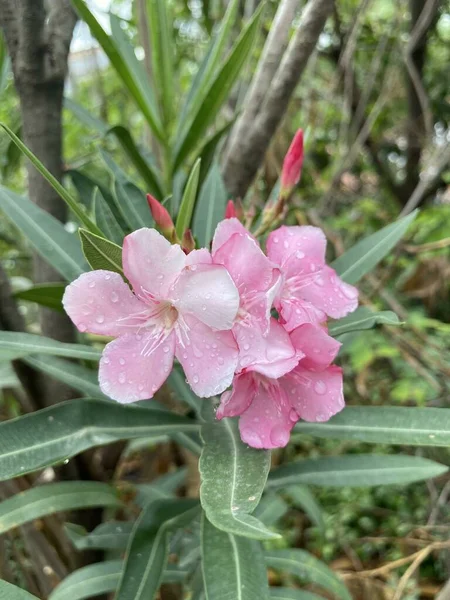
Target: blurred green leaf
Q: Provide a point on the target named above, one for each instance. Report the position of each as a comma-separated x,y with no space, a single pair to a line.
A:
16,345
106,220
47,499
12,592
210,207
133,204
45,294
101,253
302,498
107,536
188,200
271,509
362,318
280,593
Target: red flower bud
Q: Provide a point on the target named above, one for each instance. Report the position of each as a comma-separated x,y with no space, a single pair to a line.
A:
230,210
161,216
292,165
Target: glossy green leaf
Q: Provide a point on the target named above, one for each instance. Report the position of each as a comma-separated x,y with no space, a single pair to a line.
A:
409,426
106,220
161,36
47,499
46,234
307,567
132,84
233,476
148,549
148,172
101,578
302,498
16,345
188,201
209,64
45,294
280,593
271,509
366,254
75,376
210,207
133,204
12,592
362,318
356,470
74,206
218,90
113,535
101,253
233,566
55,434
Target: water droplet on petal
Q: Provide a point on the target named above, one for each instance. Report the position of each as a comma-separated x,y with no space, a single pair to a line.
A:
140,387
91,284
220,360
279,436
204,307
275,240
293,416
246,346
106,360
300,254
100,318
121,361
122,378
160,276
107,277
286,244
166,349
114,297
320,281
320,387
349,292
195,379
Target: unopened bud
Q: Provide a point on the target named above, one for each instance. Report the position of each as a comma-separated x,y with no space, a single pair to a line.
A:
161,217
230,210
292,165
188,242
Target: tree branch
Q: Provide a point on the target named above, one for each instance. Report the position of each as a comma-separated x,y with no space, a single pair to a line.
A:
29,61
246,154
58,35
9,25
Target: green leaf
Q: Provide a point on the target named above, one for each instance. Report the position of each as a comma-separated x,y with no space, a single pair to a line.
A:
233,476
188,201
45,233
16,345
8,377
271,509
218,90
133,84
133,204
148,549
356,470
177,381
366,254
47,499
208,151
45,294
280,593
101,253
302,498
106,220
12,592
55,434
83,184
101,578
77,377
210,207
160,36
209,64
148,172
76,208
107,536
306,566
362,318
86,117
233,566
408,426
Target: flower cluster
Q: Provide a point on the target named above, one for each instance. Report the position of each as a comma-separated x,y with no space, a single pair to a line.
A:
213,312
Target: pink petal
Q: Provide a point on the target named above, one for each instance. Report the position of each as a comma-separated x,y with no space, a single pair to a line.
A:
272,355
101,302
128,372
151,263
268,421
329,293
199,257
225,229
208,293
236,401
209,358
248,266
319,348
295,248
295,312
315,396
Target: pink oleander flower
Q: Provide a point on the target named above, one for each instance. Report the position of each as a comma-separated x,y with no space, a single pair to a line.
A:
270,407
292,165
257,281
310,290
182,306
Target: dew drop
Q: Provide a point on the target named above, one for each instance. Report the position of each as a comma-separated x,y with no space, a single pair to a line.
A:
349,292
275,240
121,361
320,281
300,254
107,277
51,419
166,349
160,276
138,337
100,318
220,360
91,284
204,307
286,244
114,297
293,416
140,387
320,387
279,437
246,346
106,360
194,268
195,379
122,378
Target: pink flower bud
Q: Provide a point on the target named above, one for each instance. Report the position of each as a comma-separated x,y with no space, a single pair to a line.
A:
230,210
188,242
161,216
292,165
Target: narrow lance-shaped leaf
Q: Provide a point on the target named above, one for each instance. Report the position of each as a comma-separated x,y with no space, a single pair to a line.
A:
233,476
55,434
233,566
306,566
148,548
12,592
46,294
113,535
15,345
408,426
302,497
366,254
47,235
362,318
61,190
356,470
210,207
133,204
106,220
280,593
101,253
47,499
188,201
